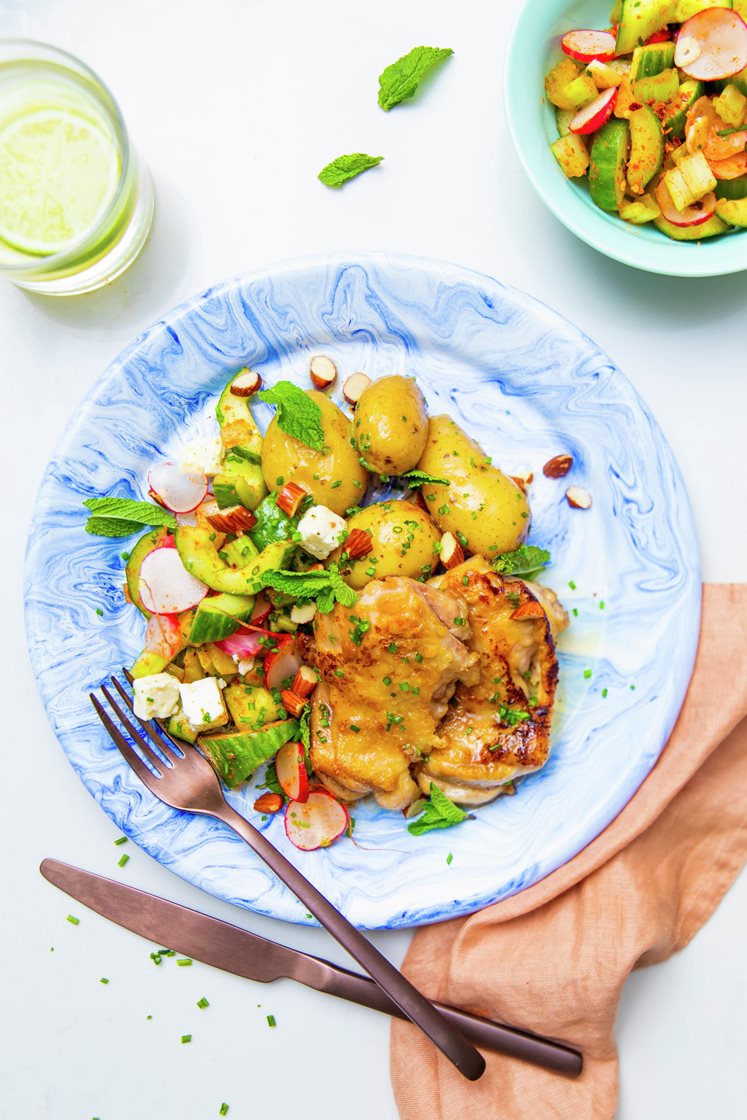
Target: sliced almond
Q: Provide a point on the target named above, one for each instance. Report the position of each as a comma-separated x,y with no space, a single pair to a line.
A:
323,371
247,384
269,803
558,467
578,498
358,544
292,702
290,498
452,553
532,609
235,519
523,480
354,387
304,682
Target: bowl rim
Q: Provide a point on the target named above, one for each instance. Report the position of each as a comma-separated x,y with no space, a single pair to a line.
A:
706,262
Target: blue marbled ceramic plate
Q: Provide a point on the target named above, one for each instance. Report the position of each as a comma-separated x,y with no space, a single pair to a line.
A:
526,385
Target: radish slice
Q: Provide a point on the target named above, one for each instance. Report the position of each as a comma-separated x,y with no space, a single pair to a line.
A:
246,644
282,664
262,608
694,215
712,45
585,46
163,635
290,768
663,36
176,490
733,168
595,114
316,822
165,586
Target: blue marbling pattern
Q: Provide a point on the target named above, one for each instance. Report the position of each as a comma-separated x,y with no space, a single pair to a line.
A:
526,385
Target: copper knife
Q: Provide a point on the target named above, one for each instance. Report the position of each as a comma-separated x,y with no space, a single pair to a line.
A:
237,951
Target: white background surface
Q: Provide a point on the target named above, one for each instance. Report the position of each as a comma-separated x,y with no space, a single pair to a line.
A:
236,104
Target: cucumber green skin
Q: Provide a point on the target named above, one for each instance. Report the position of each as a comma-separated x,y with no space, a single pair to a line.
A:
146,544
235,410
733,211
646,148
219,617
236,755
712,228
181,729
147,663
639,19
240,483
200,557
662,87
609,154
675,126
251,707
240,552
732,189
651,60
272,523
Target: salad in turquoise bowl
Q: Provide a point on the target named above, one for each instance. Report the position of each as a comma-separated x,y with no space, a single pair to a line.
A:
638,171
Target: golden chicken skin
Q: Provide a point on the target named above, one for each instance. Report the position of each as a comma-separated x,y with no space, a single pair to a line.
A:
389,666
497,726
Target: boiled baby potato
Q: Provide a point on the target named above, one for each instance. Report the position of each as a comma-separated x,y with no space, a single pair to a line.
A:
334,475
481,506
391,425
403,537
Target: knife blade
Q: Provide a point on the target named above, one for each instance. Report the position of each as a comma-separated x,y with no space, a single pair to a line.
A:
246,954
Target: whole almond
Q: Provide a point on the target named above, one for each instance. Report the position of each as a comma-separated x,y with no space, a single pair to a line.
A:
269,803
247,384
558,467
323,371
354,387
578,498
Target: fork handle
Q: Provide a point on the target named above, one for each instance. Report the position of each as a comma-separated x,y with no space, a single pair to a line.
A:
410,1001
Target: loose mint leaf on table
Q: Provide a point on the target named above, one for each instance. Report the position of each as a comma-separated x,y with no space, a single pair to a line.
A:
325,587
347,167
440,812
422,478
400,81
121,517
526,561
297,415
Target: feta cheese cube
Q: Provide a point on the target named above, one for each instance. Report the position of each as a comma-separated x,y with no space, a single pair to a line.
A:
202,704
320,531
156,696
202,456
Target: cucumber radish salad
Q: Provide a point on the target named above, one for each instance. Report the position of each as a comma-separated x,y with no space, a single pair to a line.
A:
653,112
339,646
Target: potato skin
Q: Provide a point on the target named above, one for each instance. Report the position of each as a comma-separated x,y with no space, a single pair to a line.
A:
391,425
284,457
502,513
403,538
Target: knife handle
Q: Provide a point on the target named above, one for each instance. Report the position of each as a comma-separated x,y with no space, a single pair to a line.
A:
556,1057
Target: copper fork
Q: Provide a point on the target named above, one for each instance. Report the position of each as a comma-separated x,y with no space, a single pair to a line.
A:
182,777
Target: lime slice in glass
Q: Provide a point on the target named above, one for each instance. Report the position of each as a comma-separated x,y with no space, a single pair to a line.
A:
58,173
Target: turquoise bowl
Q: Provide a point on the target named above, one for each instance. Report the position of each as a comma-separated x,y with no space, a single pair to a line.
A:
533,48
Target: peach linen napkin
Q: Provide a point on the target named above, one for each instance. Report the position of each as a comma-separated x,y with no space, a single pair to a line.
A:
553,959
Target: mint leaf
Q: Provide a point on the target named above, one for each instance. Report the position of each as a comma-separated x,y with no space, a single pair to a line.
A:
400,81
422,478
440,812
271,781
325,587
346,167
121,517
526,561
297,415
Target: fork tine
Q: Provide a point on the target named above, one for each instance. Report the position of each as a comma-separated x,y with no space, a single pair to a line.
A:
163,741
157,763
130,756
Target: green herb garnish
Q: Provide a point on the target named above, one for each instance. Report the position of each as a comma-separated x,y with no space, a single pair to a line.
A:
440,812
526,561
122,517
325,587
422,478
340,170
401,80
297,415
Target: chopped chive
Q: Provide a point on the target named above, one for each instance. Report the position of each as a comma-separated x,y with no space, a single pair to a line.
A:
99,612
103,980
223,1111
73,921
148,1017
271,1021
121,840
572,585
449,857
601,604
123,859
632,688
202,1002
587,674
605,693
575,612
184,961
186,1038
156,958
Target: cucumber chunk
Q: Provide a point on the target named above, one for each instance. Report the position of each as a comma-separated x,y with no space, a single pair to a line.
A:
650,61
240,483
237,426
639,19
658,90
609,156
567,87
235,755
572,155
251,707
220,616
643,210
688,93
732,188
646,148
712,228
733,211
200,557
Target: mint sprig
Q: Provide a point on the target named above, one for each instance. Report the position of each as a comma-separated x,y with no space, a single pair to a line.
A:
340,170
122,517
440,812
422,478
525,562
325,587
401,80
297,414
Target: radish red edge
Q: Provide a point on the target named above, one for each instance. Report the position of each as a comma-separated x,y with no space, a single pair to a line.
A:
176,490
695,215
316,822
163,635
290,767
595,114
586,45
